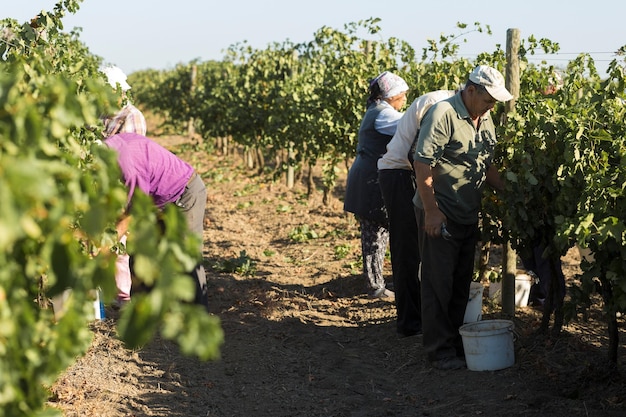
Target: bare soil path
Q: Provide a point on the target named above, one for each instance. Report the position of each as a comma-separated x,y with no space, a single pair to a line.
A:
302,339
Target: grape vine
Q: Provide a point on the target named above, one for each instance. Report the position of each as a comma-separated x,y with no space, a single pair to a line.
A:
563,155
61,195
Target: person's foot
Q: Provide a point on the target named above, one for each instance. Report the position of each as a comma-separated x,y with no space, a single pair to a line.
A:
403,335
449,363
537,304
382,293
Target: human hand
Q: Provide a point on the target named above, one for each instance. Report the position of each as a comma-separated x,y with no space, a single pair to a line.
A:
434,222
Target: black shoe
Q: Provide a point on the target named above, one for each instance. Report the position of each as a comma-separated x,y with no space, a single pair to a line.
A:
449,363
403,335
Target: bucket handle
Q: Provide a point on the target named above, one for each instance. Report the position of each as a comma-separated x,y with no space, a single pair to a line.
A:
516,335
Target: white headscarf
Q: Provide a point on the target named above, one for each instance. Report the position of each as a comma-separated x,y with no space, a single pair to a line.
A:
390,84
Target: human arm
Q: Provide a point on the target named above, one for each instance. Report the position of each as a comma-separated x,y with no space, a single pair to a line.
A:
433,217
387,121
494,179
122,225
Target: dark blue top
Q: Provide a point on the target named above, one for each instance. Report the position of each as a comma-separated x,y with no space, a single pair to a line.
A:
363,196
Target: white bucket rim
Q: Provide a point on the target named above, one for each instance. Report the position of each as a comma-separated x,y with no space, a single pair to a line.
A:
493,327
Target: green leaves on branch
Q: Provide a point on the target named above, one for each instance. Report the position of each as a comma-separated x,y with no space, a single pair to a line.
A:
563,150
60,196
563,153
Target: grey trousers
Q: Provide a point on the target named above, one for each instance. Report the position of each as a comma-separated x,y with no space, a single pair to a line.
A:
193,203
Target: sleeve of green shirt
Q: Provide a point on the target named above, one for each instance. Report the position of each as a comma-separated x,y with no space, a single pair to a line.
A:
434,134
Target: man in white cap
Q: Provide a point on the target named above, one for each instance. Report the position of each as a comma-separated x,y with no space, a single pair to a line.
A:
452,163
128,119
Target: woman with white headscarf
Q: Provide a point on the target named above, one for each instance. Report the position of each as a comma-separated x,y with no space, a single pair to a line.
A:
363,196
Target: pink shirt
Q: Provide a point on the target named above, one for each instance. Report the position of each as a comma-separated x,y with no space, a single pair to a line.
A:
150,167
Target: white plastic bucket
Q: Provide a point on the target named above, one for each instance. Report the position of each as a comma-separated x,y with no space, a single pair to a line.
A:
474,308
523,282
488,345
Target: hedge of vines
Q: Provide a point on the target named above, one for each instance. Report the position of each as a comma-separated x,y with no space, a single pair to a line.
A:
298,104
60,196
561,151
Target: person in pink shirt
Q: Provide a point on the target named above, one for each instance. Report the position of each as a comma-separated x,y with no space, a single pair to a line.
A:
129,119
151,168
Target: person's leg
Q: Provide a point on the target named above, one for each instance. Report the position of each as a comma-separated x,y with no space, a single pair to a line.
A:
123,278
397,187
553,284
193,203
544,273
536,297
202,291
463,272
374,240
438,258
560,280
546,269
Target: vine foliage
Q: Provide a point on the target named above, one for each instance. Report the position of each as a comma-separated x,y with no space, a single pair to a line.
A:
61,196
562,154
561,151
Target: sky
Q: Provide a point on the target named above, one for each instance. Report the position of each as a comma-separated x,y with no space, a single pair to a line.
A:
148,34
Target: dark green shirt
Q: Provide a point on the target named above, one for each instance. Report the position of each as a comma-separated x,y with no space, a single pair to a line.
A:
459,156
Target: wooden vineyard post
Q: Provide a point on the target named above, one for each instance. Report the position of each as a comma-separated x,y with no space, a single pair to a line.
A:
291,154
509,256
290,167
191,130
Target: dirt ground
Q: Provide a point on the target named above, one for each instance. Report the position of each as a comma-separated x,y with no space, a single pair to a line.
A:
302,338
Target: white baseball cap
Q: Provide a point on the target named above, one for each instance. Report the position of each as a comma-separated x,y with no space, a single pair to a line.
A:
492,80
116,76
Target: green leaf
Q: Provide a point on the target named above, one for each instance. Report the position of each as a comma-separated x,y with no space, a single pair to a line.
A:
510,176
